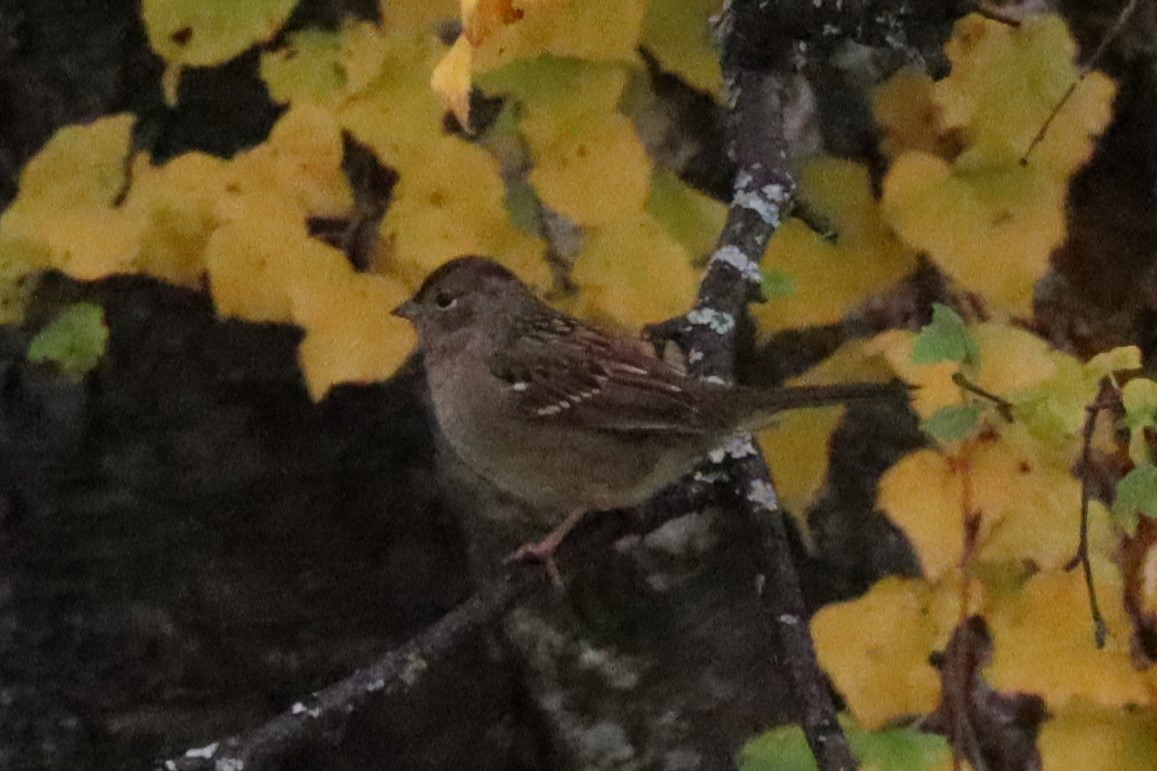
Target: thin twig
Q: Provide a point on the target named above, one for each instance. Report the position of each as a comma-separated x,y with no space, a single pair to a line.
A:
1107,397
1094,59
995,13
1109,37
971,518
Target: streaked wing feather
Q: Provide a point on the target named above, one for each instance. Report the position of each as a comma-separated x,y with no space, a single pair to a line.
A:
587,378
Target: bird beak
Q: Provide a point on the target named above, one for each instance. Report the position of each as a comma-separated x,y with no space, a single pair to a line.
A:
406,310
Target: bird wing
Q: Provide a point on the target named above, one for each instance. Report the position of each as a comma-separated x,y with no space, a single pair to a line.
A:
559,370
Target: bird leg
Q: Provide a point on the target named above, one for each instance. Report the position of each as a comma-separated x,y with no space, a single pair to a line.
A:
543,550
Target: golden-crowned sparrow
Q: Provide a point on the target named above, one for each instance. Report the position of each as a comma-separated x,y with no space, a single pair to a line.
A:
565,417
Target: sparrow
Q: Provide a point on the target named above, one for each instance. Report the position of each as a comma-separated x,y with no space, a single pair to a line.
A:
566,417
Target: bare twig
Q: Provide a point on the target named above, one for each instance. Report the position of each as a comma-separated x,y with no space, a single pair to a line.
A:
995,13
309,720
1086,68
1108,398
1110,35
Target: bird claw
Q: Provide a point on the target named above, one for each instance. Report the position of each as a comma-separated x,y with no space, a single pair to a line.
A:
541,552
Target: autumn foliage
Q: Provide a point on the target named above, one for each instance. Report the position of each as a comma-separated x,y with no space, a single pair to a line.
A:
991,505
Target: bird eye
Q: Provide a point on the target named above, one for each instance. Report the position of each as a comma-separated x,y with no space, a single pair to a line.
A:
445,300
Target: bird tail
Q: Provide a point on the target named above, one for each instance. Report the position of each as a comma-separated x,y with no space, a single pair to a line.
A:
759,406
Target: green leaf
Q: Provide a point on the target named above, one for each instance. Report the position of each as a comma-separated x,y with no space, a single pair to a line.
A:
1124,358
74,341
780,749
900,749
896,749
945,338
953,422
1136,495
776,283
1140,399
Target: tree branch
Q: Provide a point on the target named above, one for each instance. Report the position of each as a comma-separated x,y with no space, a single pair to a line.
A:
767,98
400,670
308,721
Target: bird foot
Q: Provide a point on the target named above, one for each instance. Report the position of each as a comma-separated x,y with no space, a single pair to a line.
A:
541,552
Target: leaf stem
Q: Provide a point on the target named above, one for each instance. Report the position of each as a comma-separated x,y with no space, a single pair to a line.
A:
1003,406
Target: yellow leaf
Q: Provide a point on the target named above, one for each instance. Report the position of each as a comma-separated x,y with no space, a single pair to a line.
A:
1006,81
81,167
179,202
1048,389
500,32
449,206
308,67
583,29
599,175
876,648
678,34
908,116
323,67
350,335
923,495
1043,641
998,358
1091,737
397,114
1029,504
301,162
990,229
1013,359
1028,508
797,448
68,201
630,272
992,215
451,79
206,32
558,95
1011,362
832,277
252,260
407,16
589,163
